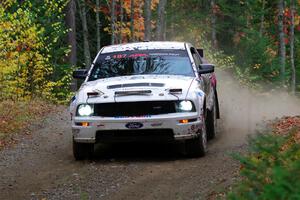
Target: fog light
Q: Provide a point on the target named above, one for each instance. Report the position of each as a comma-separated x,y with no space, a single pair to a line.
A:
85,124
184,121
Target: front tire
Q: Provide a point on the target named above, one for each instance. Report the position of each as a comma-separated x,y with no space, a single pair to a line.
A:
197,147
82,151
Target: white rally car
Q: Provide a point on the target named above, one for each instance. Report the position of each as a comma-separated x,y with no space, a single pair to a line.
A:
146,91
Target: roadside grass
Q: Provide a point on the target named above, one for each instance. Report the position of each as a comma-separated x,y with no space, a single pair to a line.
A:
17,116
270,168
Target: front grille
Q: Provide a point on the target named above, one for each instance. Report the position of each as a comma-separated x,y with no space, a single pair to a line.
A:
135,135
130,109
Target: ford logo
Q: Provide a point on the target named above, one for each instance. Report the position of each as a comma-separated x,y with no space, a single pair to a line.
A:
134,125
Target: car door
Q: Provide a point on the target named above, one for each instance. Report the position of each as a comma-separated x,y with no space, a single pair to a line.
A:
206,78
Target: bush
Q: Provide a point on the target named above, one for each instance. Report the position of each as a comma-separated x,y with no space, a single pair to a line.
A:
270,170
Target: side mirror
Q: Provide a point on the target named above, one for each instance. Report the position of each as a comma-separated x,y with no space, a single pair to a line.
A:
206,68
80,74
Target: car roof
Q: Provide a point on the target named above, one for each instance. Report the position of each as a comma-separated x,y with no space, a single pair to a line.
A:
144,46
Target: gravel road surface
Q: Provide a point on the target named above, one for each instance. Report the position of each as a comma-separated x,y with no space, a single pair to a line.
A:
41,166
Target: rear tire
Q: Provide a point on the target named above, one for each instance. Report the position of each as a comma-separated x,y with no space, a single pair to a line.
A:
82,151
197,147
211,122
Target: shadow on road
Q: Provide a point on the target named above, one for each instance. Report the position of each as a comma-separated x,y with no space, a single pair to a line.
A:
140,152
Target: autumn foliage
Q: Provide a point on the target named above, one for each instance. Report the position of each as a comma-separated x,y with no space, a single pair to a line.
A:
122,27
271,168
28,58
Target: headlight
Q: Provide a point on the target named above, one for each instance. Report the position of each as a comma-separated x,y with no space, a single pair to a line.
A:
185,106
85,110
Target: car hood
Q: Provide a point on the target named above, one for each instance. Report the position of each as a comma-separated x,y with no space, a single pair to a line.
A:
134,88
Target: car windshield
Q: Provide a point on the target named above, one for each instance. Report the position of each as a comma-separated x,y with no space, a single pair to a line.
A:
159,62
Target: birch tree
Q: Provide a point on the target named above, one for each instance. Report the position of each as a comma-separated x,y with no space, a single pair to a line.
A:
86,46
213,24
292,45
71,24
132,20
121,21
98,25
160,19
282,50
147,21
262,18
113,21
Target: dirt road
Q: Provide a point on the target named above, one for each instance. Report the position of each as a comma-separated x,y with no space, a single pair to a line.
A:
41,166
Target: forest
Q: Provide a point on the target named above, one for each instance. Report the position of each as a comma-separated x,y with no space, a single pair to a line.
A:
43,41
257,42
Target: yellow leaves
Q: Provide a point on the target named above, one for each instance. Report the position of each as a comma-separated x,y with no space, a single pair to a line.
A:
6,3
23,68
256,66
154,4
297,20
274,73
271,52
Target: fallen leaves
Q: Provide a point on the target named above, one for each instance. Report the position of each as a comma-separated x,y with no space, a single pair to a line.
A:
284,125
16,117
288,125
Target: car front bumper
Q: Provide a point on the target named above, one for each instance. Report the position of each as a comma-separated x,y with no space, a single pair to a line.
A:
166,127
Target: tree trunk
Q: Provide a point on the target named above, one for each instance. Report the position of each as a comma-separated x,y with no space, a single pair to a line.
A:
121,21
172,20
262,18
132,20
71,24
147,20
112,14
160,19
214,41
98,25
282,50
164,30
292,43
86,46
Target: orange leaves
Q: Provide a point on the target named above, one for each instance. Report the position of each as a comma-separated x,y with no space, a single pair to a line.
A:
284,127
237,37
122,28
216,9
285,124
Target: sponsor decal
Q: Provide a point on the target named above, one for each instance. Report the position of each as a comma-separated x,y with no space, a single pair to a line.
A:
141,116
213,80
164,54
119,56
156,124
138,55
200,93
134,125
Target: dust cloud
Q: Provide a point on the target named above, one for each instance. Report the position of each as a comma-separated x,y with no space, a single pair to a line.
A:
243,111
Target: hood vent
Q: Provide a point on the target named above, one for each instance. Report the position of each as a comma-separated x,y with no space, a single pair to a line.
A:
135,85
128,93
175,91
